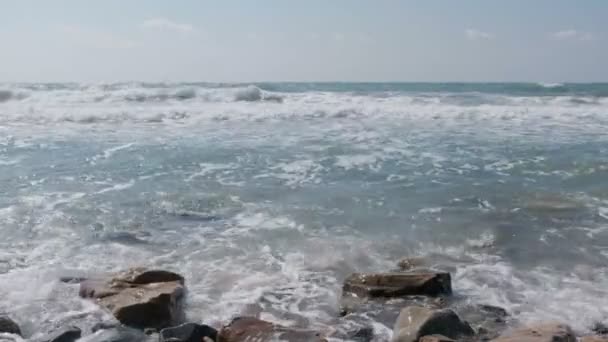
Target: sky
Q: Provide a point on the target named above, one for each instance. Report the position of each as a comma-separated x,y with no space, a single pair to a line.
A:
312,40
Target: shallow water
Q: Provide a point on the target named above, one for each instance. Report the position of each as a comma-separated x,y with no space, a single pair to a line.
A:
267,197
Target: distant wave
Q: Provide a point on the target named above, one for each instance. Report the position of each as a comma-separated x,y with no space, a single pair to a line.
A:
550,85
252,94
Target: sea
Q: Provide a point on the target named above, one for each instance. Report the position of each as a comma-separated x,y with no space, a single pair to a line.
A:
266,196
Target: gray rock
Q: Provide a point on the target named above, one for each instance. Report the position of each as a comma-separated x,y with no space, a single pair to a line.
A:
256,330
544,332
9,326
489,321
67,334
362,335
375,285
415,322
140,298
188,332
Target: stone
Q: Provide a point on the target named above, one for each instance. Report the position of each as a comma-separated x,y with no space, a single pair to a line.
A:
139,298
407,264
376,285
489,321
9,326
435,338
415,321
542,332
594,339
365,334
600,328
256,330
67,334
188,332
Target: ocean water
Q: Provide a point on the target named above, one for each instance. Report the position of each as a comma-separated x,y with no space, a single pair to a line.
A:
266,196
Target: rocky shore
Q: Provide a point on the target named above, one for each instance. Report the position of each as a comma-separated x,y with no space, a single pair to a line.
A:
148,305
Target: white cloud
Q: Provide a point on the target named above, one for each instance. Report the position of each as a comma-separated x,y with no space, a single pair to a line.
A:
473,34
573,35
167,25
95,38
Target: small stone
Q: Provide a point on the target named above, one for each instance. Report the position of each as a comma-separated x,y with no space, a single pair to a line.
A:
407,264
544,332
188,332
9,326
68,334
415,321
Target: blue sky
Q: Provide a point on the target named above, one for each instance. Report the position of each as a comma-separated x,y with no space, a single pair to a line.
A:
313,40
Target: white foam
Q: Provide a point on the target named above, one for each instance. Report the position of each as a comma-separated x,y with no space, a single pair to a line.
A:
117,187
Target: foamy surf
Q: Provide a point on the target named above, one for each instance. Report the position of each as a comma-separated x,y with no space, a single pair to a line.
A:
267,205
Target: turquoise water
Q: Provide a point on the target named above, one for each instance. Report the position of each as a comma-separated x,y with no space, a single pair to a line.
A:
267,196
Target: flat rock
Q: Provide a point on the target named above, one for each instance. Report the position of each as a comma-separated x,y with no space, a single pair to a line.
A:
67,334
251,329
415,322
139,298
435,338
543,332
397,284
9,326
188,332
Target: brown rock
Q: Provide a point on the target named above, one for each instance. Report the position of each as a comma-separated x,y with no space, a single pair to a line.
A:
435,338
594,339
255,330
544,332
398,284
415,321
139,298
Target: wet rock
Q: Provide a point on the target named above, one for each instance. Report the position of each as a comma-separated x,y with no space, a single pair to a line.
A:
72,279
544,332
188,332
9,326
104,326
489,321
362,335
407,264
600,328
375,285
140,298
435,338
68,334
594,339
256,330
415,322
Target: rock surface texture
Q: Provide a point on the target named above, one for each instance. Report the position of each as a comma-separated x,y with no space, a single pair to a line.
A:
140,298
